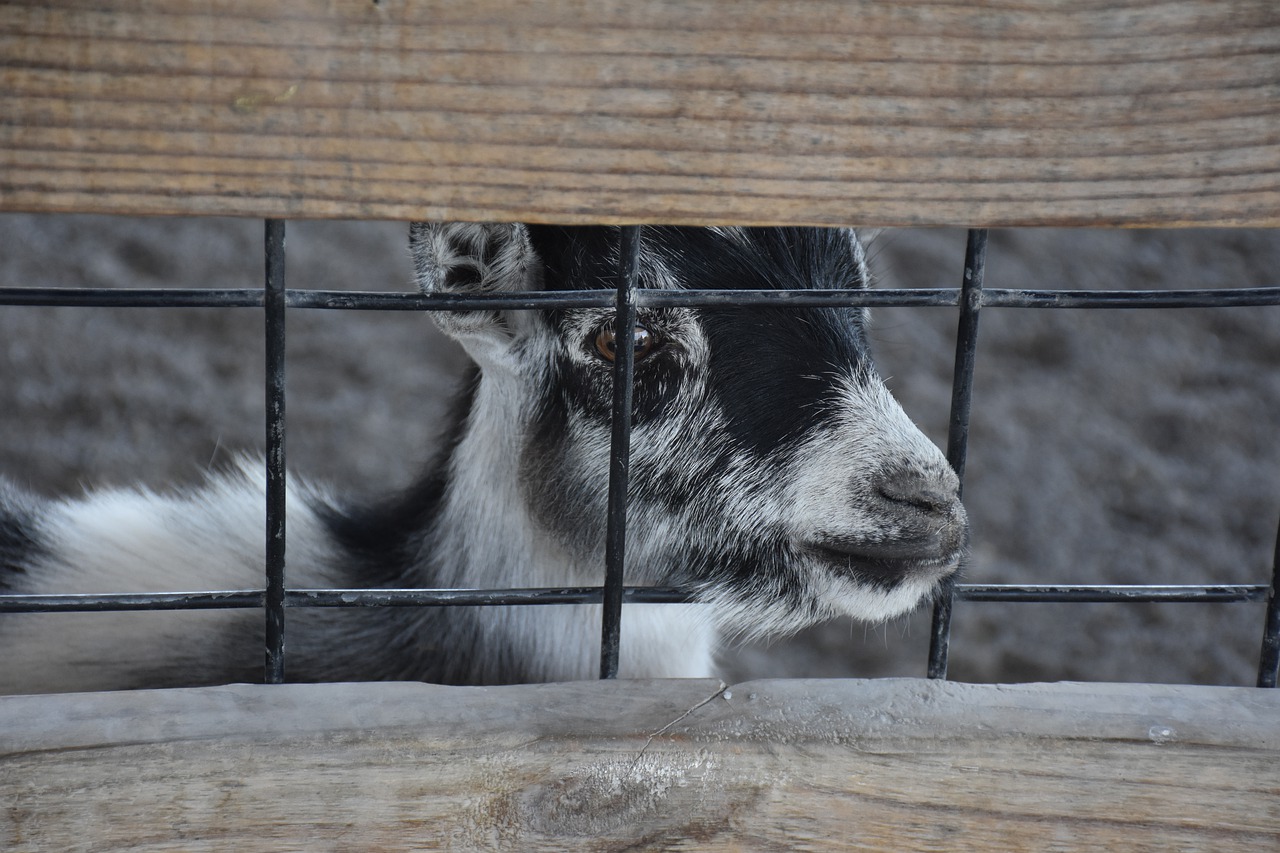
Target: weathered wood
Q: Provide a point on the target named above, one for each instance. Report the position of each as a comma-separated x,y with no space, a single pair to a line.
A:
848,111
795,765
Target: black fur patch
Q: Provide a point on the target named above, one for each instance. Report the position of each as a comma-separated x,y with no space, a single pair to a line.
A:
657,481
766,259
762,574
772,370
20,539
558,501
774,373
383,541
586,258
589,388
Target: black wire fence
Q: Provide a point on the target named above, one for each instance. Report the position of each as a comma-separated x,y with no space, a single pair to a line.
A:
970,298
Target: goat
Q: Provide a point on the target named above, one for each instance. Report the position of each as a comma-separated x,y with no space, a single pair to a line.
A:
771,473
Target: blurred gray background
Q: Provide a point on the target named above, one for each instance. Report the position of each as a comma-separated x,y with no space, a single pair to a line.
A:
1107,446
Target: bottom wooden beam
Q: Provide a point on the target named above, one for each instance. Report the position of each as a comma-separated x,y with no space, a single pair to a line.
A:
895,764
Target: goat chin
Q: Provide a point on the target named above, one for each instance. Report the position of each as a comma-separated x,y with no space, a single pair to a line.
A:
772,474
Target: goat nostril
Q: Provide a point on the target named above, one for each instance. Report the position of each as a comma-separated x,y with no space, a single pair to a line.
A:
911,492
929,502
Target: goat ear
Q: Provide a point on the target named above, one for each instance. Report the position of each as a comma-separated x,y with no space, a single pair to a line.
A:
469,258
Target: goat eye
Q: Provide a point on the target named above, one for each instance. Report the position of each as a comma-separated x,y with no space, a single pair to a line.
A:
643,342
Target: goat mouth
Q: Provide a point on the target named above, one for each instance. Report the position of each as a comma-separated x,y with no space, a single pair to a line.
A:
887,564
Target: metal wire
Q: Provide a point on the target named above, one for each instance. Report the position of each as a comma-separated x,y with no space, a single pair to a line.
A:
274,305
1269,658
975,265
1104,594
256,598
624,321
927,297
274,298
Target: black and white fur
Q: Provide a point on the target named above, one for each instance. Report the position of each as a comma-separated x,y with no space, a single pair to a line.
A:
771,470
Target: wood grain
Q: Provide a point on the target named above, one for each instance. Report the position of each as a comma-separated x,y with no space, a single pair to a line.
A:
910,112
783,765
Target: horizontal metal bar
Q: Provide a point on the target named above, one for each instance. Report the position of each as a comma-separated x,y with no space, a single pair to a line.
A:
250,598
479,597
247,598
395,301
112,601
1101,593
1225,298
930,297
544,300
133,297
950,297
88,297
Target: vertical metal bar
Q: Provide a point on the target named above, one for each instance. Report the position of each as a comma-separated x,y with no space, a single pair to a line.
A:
1269,661
274,303
620,449
975,263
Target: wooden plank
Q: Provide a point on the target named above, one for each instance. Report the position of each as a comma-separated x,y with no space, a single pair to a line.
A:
908,112
772,765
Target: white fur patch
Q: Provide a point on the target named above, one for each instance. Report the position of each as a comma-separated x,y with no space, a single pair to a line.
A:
140,541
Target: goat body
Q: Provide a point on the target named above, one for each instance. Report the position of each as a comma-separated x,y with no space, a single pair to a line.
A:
771,472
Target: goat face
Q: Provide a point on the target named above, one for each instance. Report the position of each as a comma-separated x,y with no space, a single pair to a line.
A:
771,469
